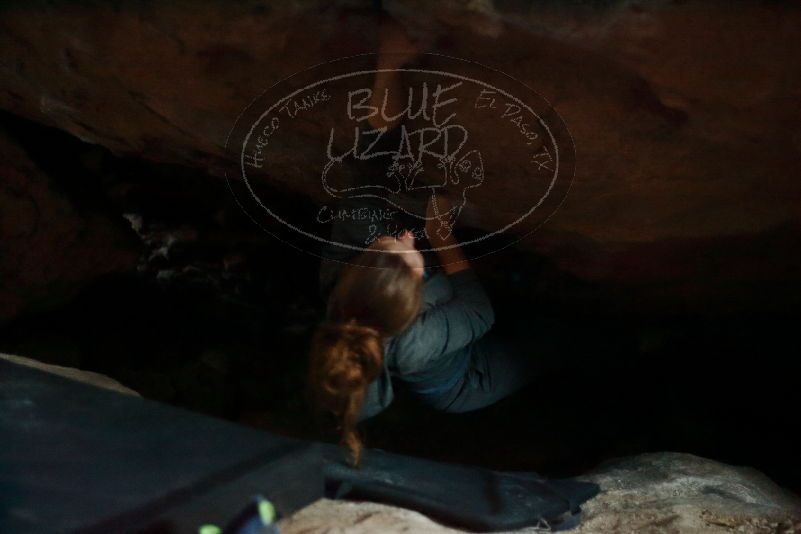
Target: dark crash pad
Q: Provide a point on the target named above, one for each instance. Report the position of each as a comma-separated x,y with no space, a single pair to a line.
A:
76,458
459,496
80,458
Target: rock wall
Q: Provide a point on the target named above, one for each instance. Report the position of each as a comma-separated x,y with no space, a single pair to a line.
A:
48,248
683,114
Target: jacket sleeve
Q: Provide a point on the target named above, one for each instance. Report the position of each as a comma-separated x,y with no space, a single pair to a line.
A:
447,327
378,396
436,290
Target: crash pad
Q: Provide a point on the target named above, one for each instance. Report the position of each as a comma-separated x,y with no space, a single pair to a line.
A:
77,458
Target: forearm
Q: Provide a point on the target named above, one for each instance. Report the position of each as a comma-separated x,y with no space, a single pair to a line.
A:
452,258
396,48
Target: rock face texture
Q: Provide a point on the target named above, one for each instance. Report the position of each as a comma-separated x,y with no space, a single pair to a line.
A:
658,492
684,115
48,248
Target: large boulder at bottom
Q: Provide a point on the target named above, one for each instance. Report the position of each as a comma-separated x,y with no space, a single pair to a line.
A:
654,492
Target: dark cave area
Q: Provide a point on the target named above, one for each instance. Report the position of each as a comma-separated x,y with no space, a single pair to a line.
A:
602,195
215,316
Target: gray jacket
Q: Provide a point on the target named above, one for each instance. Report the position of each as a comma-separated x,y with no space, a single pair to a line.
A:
434,351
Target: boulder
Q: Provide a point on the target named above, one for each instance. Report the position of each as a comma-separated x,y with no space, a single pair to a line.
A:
686,151
653,492
49,249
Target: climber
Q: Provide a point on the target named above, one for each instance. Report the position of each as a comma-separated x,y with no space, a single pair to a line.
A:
392,318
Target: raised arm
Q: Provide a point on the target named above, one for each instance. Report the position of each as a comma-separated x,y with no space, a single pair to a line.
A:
395,49
448,250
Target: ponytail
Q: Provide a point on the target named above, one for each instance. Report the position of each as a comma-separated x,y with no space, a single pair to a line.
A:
345,358
377,296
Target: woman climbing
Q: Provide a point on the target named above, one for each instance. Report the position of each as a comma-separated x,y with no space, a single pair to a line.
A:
391,317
